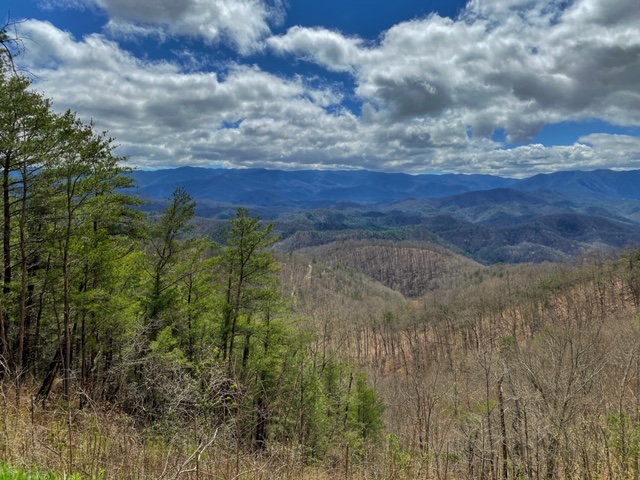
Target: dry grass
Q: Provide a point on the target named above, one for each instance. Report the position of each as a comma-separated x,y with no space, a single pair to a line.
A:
105,445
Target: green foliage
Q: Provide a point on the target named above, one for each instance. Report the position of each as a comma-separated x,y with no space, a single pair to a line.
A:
9,473
367,409
398,460
246,276
165,247
624,439
327,405
65,229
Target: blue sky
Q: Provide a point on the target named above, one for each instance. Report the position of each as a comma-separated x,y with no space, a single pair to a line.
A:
507,87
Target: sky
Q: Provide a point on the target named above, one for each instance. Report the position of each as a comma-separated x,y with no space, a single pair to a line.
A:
504,87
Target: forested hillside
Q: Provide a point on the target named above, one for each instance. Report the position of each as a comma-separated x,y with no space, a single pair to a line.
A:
412,269
520,372
142,341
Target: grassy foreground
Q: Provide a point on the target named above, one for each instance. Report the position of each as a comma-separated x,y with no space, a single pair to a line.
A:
89,444
8,473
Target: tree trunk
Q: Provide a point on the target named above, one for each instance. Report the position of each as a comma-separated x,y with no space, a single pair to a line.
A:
503,431
6,275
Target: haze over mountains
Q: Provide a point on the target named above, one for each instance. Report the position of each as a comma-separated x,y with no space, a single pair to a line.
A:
547,217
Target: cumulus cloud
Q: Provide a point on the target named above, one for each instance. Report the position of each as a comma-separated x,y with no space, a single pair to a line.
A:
609,13
620,151
244,23
526,72
162,115
521,63
330,49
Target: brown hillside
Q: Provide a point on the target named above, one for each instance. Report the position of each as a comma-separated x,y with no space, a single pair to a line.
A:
528,371
412,269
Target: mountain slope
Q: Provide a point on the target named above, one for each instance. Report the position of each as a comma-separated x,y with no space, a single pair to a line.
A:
410,268
596,184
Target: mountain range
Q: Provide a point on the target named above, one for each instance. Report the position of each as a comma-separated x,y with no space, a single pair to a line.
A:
313,187
546,217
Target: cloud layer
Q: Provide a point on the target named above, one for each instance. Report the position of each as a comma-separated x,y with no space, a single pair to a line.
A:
431,91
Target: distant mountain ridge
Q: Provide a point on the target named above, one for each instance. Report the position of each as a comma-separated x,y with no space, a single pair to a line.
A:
307,188
596,184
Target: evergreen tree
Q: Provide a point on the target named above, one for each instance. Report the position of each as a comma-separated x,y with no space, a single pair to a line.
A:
165,245
247,275
28,146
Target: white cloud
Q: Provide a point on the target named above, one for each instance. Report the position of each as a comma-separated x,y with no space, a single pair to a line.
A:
243,23
325,47
177,117
605,12
510,64
618,151
524,73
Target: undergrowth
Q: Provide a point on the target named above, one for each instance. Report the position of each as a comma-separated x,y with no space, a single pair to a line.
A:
74,444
